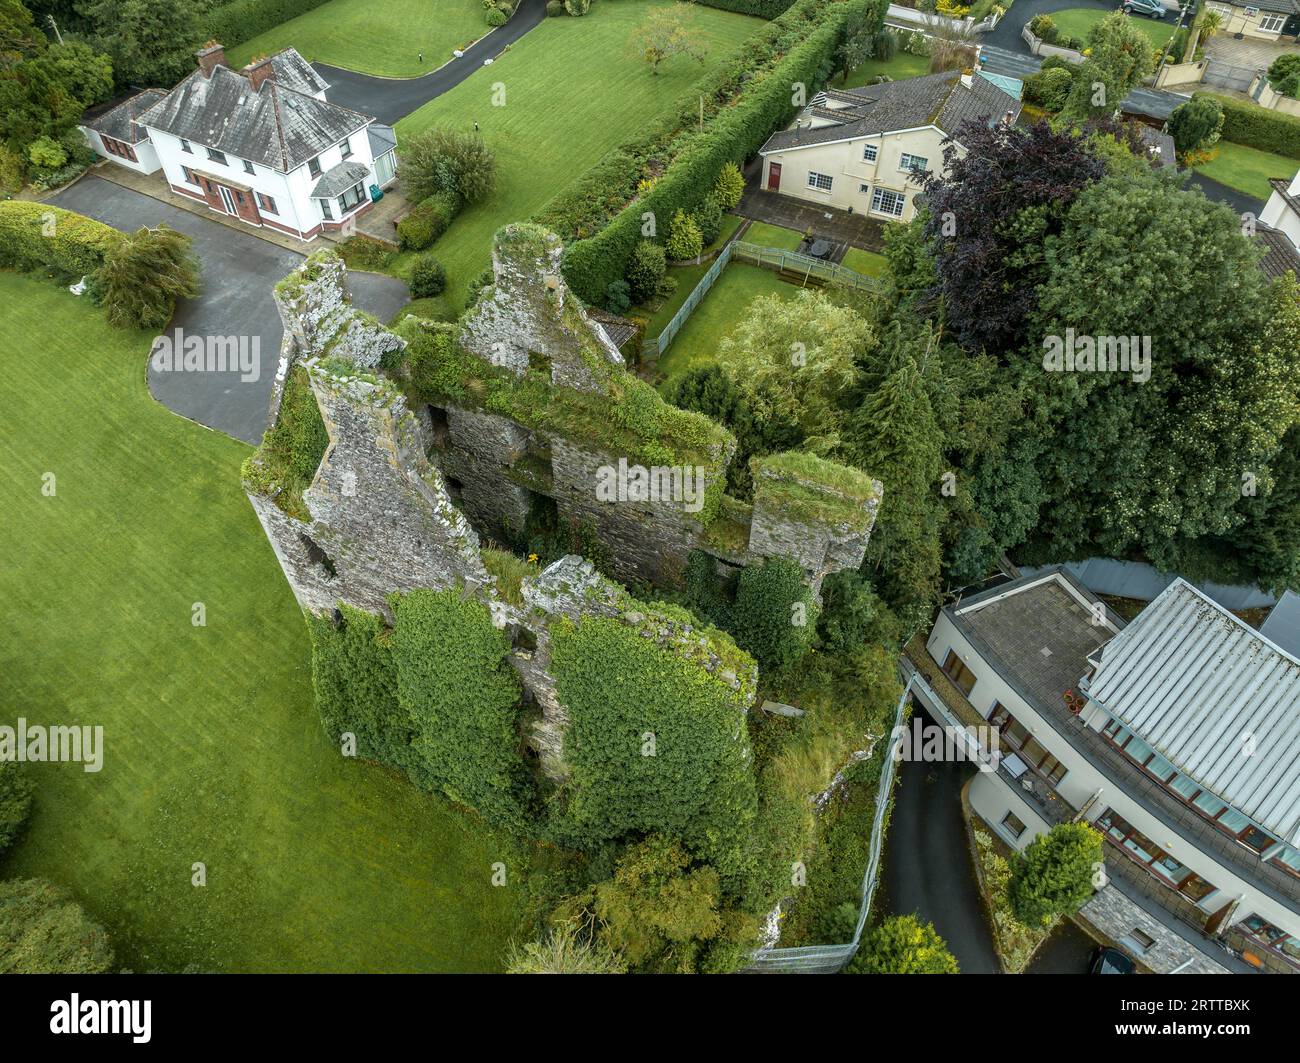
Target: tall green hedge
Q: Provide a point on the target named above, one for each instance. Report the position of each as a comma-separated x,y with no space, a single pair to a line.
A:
765,105
233,24
655,743
42,236
1258,127
761,8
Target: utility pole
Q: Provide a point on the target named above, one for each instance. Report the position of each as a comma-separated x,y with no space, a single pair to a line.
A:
55,27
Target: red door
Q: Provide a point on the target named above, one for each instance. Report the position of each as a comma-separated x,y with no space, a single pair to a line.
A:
774,177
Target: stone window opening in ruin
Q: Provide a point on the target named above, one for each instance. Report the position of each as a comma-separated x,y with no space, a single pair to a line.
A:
524,640
317,556
439,429
539,363
455,489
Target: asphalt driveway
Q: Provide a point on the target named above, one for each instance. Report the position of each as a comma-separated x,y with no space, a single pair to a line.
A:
239,272
928,866
1006,34
389,99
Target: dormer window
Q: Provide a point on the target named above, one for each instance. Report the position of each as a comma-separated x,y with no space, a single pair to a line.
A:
346,147
217,156
313,167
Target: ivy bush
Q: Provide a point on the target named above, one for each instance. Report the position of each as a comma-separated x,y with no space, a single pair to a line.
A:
291,449
774,616
655,743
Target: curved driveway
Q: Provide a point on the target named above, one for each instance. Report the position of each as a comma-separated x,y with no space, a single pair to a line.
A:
389,99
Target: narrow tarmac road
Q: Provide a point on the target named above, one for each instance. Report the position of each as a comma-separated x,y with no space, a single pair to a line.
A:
389,99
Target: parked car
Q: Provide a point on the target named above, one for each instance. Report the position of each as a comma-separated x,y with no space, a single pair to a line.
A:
1110,961
1150,8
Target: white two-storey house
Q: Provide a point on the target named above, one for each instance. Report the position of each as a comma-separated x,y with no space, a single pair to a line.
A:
261,144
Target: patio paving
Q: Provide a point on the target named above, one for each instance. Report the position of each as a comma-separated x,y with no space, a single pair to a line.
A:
1247,52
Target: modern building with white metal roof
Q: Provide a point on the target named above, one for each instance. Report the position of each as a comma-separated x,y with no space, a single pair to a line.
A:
1174,734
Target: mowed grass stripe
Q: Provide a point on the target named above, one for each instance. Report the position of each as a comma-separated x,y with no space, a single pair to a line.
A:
213,750
571,92
383,38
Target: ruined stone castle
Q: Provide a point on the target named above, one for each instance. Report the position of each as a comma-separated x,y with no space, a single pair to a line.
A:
444,438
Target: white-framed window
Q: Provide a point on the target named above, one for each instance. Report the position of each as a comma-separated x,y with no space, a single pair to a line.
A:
345,149
869,152
325,209
1223,9
185,146
819,181
1272,23
216,156
864,188
913,162
248,167
883,201
351,198
1013,825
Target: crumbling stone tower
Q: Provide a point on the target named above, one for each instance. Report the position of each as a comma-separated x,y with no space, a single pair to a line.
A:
524,404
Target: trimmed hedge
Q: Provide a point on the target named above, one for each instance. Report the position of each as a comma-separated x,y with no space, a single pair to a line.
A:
765,105
760,8
427,221
1258,127
41,236
233,24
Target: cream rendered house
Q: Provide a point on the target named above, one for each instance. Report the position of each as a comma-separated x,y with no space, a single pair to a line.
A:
1265,20
868,149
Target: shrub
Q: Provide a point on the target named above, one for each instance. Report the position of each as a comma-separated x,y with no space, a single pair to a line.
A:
645,269
886,45
243,20
42,236
775,616
1042,27
684,238
554,8
1196,124
1284,74
902,944
428,278
617,297
46,153
44,931
849,609
1258,127
496,17
729,186
427,221
15,801
442,159
144,275
1049,89
1053,876
577,8
708,219
11,170
564,950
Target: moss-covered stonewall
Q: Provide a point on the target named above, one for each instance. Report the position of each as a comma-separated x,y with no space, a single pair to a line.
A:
809,489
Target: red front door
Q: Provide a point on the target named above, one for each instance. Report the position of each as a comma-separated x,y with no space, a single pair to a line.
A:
774,177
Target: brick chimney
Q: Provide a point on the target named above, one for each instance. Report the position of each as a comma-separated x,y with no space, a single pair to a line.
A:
210,56
259,70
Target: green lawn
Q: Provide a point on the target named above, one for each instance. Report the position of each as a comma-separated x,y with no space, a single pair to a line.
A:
903,65
697,343
213,749
571,93
1247,169
1078,22
866,262
773,236
384,38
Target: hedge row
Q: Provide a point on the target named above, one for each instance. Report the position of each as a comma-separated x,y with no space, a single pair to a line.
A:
761,8
233,24
41,236
1258,127
592,201
427,221
766,105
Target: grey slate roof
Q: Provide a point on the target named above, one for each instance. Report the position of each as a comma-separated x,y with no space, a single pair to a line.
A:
382,139
338,179
1280,7
274,125
1280,254
119,122
1193,681
1160,143
932,99
294,72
